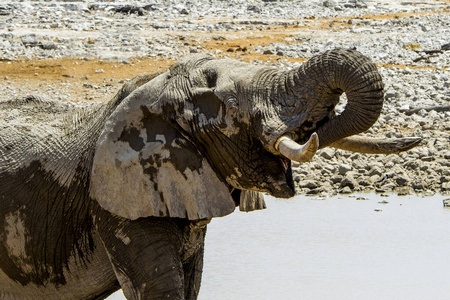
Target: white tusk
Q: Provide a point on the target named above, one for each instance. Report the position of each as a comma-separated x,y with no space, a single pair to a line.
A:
296,152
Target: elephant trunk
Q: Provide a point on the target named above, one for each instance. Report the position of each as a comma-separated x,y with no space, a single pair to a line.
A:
318,85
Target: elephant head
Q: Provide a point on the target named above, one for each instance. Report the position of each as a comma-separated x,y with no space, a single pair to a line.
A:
180,145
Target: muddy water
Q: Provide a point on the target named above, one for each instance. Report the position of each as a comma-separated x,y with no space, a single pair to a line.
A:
335,248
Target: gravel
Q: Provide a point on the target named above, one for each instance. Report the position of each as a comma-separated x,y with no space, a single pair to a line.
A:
409,41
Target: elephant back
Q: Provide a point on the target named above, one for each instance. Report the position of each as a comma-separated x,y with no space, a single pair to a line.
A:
36,129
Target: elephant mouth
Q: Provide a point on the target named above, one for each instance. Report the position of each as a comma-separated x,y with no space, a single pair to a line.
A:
290,150
282,185
284,188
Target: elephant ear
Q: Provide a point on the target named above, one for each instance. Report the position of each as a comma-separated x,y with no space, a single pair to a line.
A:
145,165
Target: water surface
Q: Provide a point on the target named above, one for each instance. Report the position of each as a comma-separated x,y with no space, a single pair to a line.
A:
334,248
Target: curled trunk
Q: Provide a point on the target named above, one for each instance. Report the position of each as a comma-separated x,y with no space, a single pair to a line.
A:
323,79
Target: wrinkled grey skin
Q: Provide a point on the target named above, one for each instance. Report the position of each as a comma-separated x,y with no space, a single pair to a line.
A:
118,194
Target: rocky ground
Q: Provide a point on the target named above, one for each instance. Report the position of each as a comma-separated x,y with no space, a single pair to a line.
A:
76,50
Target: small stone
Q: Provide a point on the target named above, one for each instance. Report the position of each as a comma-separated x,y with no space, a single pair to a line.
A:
422,113
343,169
310,184
389,186
412,164
327,153
348,182
428,158
336,179
383,179
4,10
446,202
403,193
418,185
345,190
89,86
355,156
254,8
330,168
360,5
329,3
391,95
130,9
445,186
401,180
100,71
218,38
314,191
48,45
374,178
365,182
446,155
30,40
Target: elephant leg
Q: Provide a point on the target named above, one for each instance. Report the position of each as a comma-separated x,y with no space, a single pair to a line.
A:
145,254
193,268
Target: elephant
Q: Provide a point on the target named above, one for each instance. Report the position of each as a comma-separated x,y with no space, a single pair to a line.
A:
95,197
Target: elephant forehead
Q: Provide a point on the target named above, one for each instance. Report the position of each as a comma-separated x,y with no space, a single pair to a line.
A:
230,66
44,142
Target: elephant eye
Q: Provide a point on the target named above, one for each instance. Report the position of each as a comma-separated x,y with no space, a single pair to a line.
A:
211,79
